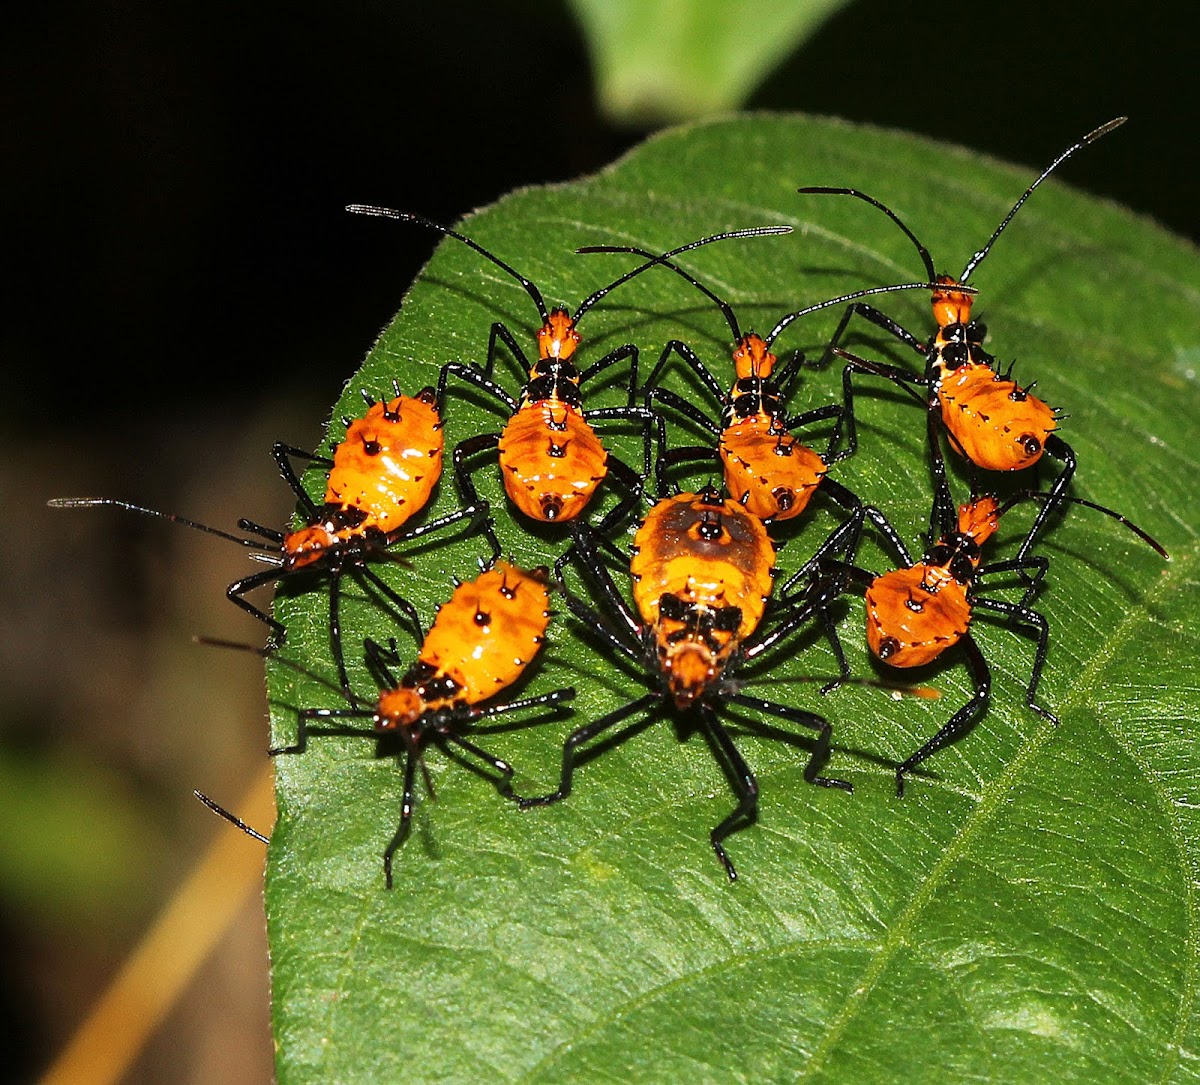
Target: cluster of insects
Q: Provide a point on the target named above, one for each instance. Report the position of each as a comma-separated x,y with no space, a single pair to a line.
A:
702,607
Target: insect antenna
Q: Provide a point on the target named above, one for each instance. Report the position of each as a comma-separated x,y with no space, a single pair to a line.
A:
1038,495
652,259
421,220
1091,137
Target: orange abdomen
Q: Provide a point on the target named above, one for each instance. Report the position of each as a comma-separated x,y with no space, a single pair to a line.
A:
389,462
996,424
907,624
551,461
489,631
710,552
770,474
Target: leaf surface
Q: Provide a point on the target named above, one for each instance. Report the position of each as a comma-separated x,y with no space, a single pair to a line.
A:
1027,909
662,61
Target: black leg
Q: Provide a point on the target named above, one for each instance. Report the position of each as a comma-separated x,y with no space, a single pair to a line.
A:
880,320
406,809
466,485
476,510
381,660
962,720
471,375
335,629
554,698
820,753
576,739
613,356
685,407
396,599
256,529
744,784
849,532
500,332
1022,614
1062,452
633,486
845,537
481,755
823,591
237,590
304,729
283,455
676,456
692,360
632,413
943,515
904,380
1032,569
586,547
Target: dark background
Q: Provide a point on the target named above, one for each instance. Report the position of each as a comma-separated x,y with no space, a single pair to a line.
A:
183,287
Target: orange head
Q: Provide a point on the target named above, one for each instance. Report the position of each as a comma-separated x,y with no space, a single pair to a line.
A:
979,518
331,535
398,708
951,305
690,669
308,545
751,358
557,338
694,644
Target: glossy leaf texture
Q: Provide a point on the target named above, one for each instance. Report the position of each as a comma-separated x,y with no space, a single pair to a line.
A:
661,61
1028,908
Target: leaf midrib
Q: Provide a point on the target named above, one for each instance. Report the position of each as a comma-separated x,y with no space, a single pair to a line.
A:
993,798
982,815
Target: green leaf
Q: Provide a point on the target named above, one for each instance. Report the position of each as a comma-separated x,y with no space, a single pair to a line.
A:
1028,908
661,61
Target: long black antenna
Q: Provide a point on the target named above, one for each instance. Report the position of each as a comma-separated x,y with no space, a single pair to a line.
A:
785,321
977,259
724,306
233,819
1091,137
421,220
96,502
825,190
348,695
1037,495
664,259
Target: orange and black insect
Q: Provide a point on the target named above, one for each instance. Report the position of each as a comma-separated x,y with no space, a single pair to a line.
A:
992,421
917,612
702,571
768,470
551,459
481,642
381,475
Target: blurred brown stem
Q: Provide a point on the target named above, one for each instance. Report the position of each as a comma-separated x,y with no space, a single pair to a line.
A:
167,958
